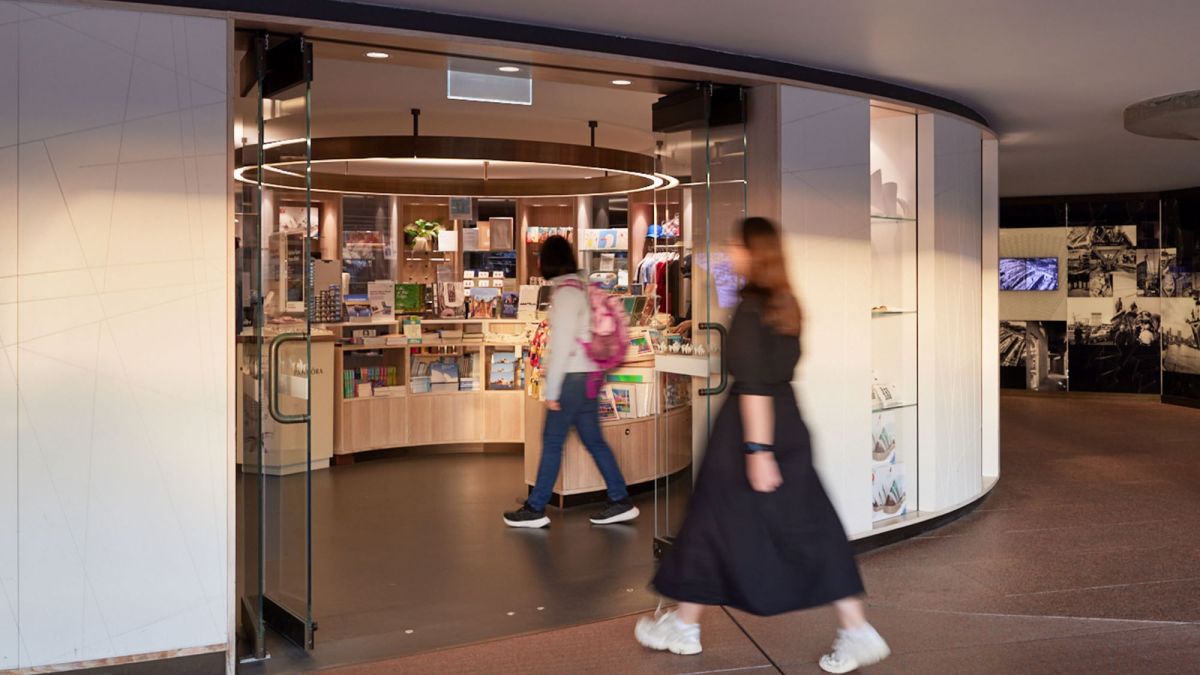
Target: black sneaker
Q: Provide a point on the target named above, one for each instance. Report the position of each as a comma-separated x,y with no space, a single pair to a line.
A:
616,512
526,517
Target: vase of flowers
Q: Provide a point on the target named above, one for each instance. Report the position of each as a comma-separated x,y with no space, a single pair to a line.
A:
420,231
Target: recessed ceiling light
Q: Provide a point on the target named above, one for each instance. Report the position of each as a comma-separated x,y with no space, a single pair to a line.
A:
377,55
622,83
509,69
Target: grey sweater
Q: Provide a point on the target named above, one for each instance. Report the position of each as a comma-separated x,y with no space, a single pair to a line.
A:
570,320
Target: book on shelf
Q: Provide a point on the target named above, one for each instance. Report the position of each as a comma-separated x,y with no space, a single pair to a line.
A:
410,298
381,295
503,372
412,330
419,384
483,303
527,303
622,396
608,411
443,374
450,334
509,304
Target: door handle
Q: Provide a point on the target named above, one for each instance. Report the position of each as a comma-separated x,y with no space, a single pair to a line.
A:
273,389
724,382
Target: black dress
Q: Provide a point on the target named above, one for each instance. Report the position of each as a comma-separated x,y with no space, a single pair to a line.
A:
765,553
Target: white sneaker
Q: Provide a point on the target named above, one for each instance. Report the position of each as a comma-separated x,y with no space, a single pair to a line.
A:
854,649
664,631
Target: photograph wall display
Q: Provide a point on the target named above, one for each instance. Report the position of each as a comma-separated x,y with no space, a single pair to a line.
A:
1179,279
1114,345
889,499
1046,355
1149,272
1100,260
1181,349
1033,355
1181,335
1012,355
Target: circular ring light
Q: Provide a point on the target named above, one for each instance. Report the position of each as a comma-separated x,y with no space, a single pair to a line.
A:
283,167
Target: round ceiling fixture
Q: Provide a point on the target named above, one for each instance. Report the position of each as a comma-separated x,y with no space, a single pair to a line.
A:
588,170
1175,116
377,55
622,83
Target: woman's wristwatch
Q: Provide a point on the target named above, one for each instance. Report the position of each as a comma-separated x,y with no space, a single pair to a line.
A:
755,448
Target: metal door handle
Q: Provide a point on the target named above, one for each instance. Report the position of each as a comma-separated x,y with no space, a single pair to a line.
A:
273,389
724,382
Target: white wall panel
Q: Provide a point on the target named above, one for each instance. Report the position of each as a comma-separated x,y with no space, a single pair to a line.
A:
991,308
9,642
114,324
825,157
1035,242
950,360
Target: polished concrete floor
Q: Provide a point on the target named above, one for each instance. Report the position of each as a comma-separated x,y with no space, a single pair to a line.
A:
1086,558
410,554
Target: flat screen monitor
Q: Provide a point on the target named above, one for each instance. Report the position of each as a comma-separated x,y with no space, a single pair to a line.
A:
1029,274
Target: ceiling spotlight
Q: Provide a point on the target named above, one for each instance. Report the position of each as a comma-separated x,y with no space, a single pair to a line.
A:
377,55
509,69
622,83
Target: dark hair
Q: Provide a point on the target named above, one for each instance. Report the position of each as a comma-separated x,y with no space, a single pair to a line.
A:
768,276
557,258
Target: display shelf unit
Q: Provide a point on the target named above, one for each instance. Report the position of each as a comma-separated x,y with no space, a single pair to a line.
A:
403,416
895,454
632,441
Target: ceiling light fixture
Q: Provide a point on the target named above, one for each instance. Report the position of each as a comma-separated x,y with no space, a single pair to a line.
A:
624,171
377,55
622,83
509,69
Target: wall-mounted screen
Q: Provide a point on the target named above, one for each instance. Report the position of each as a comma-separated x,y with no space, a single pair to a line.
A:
1029,274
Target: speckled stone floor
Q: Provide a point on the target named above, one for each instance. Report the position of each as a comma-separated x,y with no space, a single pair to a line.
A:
1085,558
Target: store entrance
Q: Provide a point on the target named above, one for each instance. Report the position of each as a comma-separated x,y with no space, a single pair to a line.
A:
393,206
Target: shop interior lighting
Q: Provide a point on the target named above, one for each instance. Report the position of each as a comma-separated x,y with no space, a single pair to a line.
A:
622,83
509,69
377,55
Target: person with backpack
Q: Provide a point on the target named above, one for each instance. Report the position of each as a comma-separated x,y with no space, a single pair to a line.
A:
586,337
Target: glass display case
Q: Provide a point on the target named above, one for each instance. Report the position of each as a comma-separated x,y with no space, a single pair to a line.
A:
894,441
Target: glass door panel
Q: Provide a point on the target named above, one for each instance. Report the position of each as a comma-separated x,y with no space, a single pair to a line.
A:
710,163
276,230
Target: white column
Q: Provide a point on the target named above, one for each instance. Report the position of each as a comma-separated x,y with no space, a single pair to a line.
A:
991,309
950,319
825,162
115,302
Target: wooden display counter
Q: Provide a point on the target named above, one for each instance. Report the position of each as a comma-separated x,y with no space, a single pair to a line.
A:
284,446
632,441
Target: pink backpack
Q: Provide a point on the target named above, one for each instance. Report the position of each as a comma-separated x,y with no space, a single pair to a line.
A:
610,332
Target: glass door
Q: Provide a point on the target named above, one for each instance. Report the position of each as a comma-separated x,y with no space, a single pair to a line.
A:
277,226
710,162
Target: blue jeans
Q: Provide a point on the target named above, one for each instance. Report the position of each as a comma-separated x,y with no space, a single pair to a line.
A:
579,411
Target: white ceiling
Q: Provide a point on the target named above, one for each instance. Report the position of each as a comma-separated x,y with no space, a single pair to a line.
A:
1051,76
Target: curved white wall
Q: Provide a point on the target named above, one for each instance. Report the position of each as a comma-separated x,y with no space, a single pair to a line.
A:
824,169
114,324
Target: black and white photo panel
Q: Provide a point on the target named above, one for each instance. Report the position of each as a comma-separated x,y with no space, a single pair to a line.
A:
1149,272
1012,355
1181,350
1046,355
1181,335
1101,261
1114,344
